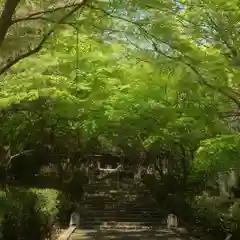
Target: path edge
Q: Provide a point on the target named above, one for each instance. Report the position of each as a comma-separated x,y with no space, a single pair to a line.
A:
67,233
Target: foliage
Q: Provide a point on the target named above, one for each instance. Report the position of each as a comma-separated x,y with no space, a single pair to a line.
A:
65,208
218,154
155,82
217,215
29,212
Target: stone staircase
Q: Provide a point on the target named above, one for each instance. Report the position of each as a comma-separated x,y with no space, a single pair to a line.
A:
120,206
124,211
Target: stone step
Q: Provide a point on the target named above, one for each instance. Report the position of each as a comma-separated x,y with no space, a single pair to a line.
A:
115,209
133,214
113,182
118,202
115,185
127,216
119,206
124,206
112,215
122,228
142,221
116,194
115,205
143,234
123,215
122,198
129,199
107,193
126,201
121,225
143,210
111,190
119,195
118,198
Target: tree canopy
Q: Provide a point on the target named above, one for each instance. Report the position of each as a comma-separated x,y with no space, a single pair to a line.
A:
159,78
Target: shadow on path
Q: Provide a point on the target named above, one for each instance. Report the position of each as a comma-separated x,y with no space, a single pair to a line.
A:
128,235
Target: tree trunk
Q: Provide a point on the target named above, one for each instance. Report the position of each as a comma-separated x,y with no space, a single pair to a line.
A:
6,18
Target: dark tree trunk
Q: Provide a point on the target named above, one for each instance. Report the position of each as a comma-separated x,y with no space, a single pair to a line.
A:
6,18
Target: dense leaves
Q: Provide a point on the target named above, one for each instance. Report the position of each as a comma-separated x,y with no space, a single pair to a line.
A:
218,154
156,82
165,87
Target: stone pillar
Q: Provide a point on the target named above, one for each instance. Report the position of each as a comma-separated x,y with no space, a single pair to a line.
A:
232,179
75,220
118,179
222,185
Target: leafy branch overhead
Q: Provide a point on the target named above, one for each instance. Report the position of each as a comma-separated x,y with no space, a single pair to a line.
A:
10,20
157,82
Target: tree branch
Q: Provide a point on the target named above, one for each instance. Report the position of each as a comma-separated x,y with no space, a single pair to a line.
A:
202,80
38,15
219,29
215,88
229,114
6,18
21,153
159,169
44,39
155,47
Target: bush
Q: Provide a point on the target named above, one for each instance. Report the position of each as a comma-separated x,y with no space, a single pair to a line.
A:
234,218
29,212
209,212
217,215
65,208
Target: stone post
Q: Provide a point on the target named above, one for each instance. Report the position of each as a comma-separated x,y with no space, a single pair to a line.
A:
75,220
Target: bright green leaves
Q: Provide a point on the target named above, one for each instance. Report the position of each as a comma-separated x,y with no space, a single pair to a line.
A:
152,97
218,154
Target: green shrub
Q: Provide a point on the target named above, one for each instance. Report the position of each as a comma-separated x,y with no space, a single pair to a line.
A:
234,217
217,215
29,212
48,202
65,208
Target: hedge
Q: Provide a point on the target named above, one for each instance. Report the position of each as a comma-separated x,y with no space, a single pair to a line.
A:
30,212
